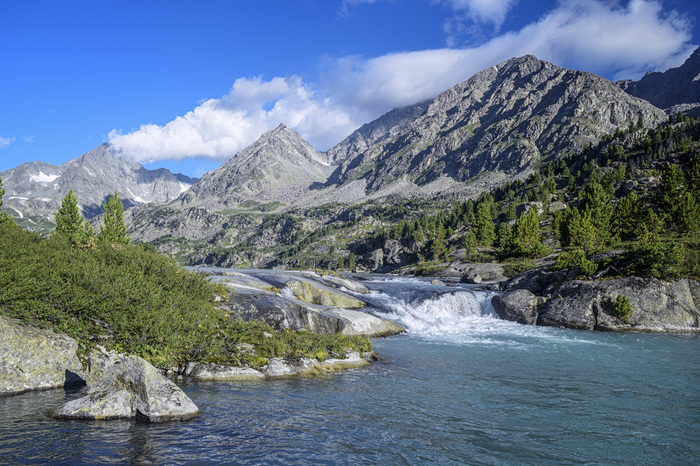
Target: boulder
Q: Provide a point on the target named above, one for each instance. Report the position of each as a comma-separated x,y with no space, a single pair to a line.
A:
516,306
482,273
657,305
280,313
126,387
211,371
540,280
362,323
36,359
316,293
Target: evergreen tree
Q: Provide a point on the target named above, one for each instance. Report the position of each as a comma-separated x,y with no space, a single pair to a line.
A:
628,214
469,242
114,230
503,235
438,247
525,237
69,223
595,202
483,225
693,176
672,188
4,217
584,233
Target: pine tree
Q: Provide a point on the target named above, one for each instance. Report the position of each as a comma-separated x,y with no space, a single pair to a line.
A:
438,247
525,237
69,222
595,202
4,217
483,225
628,214
114,230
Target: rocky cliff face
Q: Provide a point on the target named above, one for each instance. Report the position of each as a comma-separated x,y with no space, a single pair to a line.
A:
677,89
36,189
381,129
502,119
278,167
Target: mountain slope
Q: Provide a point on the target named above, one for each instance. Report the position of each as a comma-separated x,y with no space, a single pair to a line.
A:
279,167
376,131
504,118
674,87
36,189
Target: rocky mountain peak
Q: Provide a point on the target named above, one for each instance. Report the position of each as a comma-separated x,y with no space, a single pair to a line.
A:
36,189
677,89
279,167
502,119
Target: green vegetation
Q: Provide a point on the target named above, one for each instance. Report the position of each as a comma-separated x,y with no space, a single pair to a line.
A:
131,299
621,308
114,231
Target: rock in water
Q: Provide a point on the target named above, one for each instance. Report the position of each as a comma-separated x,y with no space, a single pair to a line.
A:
517,306
124,387
35,359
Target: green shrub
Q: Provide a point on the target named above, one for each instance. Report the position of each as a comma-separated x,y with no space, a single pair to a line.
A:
621,308
575,258
134,300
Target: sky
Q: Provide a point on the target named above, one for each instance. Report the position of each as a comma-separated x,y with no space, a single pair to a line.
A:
185,85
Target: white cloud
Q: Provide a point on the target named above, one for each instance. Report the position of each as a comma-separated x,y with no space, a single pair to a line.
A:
4,142
485,11
218,128
591,35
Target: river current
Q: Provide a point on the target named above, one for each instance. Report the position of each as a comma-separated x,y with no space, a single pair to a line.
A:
461,387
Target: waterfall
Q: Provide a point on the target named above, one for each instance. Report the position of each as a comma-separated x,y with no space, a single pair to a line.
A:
432,310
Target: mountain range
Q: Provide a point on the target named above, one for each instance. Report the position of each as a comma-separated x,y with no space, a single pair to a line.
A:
490,129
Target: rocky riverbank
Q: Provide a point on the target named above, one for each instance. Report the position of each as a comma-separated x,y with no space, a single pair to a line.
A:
119,386
541,296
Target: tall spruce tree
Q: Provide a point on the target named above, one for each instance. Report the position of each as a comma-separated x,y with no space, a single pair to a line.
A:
70,223
114,231
4,217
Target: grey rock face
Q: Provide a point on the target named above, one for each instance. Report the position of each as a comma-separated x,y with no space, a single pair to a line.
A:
502,119
675,87
125,387
517,306
36,359
369,134
656,305
278,167
36,189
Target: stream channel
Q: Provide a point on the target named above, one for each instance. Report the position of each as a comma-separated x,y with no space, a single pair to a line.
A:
460,387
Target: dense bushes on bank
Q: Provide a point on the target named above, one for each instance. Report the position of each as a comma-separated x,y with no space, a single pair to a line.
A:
132,299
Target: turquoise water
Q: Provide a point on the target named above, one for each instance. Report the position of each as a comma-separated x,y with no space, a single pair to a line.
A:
479,391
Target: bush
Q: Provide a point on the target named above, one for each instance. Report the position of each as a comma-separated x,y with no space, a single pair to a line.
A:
134,300
621,308
575,258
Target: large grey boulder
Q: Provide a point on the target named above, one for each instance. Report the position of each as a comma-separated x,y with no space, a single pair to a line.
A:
125,387
517,306
656,305
36,359
480,273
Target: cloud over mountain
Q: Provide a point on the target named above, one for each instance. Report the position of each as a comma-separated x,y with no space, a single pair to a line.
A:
593,35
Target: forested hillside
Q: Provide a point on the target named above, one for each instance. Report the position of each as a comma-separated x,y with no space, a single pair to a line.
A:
636,191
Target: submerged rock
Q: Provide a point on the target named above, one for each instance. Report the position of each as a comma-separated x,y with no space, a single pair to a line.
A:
125,387
36,359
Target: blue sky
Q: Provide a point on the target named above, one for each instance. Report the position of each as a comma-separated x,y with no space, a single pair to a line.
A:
185,85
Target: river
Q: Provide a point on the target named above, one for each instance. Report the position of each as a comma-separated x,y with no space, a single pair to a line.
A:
461,387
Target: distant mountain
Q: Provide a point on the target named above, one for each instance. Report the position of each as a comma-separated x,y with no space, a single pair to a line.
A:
279,167
503,119
677,89
369,134
34,190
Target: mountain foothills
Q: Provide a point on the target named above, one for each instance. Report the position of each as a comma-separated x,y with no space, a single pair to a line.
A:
445,179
